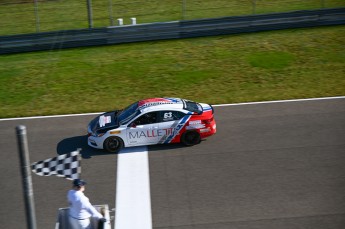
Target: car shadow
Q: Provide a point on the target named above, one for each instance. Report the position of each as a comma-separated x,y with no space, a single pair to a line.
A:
171,146
79,142
68,145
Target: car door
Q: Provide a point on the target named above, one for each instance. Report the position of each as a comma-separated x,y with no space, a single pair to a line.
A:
169,125
143,130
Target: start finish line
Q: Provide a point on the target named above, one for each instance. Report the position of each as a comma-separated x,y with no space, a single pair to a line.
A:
133,198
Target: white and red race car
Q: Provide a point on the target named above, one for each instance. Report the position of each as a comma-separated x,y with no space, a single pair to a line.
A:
152,121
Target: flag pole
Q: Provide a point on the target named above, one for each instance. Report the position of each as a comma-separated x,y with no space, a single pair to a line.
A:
26,176
79,157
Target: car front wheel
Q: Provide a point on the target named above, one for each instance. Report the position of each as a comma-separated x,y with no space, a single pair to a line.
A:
190,138
113,144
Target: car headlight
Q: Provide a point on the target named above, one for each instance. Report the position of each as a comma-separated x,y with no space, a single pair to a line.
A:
96,134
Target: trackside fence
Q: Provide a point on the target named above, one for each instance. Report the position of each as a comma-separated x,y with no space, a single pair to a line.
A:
29,16
170,30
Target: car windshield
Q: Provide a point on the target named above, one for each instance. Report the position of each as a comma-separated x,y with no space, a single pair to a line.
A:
128,113
193,106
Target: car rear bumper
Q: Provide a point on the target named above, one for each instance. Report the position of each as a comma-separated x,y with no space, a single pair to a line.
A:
209,130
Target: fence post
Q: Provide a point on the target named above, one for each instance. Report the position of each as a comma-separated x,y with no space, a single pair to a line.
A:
183,9
254,6
37,18
89,13
322,4
111,13
26,176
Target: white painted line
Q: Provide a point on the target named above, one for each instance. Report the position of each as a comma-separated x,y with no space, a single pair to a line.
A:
49,116
133,197
217,105
279,101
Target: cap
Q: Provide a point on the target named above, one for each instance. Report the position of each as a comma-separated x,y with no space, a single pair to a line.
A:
79,182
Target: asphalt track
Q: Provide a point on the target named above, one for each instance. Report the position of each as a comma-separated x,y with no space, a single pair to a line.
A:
270,165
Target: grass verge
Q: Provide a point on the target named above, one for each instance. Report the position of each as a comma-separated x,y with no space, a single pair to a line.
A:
298,63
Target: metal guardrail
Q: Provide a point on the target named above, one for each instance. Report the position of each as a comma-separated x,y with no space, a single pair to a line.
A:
169,30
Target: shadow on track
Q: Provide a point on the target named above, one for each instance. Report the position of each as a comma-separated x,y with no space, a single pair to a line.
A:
70,144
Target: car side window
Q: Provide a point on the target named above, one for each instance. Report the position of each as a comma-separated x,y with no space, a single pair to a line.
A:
148,118
167,116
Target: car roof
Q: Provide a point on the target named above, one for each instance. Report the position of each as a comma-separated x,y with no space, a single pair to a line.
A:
151,104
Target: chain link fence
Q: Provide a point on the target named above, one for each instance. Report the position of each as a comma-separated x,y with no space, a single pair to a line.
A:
29,16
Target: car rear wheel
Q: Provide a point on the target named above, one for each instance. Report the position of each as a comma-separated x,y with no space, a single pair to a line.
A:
113,144
190,138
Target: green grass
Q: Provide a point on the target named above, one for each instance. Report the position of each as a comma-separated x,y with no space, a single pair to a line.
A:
300,63
270,59
72,14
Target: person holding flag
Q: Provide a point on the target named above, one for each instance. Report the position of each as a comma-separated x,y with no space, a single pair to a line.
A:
81,209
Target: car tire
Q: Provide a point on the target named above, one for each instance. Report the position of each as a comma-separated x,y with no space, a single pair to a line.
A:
190,138
113,144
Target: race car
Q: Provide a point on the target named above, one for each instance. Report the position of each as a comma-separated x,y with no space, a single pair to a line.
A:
152,121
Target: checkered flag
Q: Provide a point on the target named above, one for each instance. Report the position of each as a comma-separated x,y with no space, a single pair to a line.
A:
66,165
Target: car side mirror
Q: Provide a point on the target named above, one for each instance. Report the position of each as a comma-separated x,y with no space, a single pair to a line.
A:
133,125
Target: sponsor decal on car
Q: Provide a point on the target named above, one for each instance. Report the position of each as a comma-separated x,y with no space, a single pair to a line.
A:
150,133
205,130
103,120
177,128
196,124
155,102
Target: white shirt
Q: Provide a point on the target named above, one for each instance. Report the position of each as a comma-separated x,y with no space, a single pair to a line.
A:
80,206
